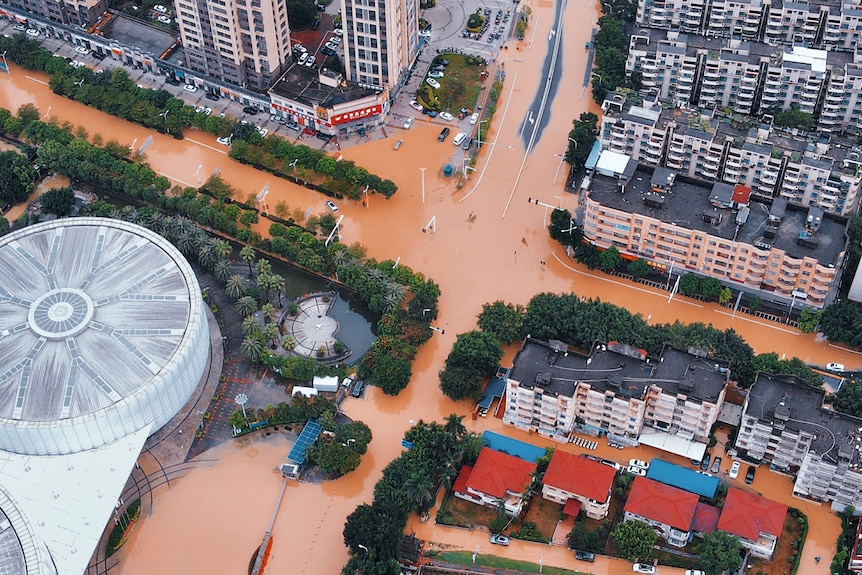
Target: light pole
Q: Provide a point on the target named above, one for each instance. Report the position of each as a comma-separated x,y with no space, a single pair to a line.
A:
79,83
165,114
363,547
241,399
423,184
197,173
597,76
610,8
479,132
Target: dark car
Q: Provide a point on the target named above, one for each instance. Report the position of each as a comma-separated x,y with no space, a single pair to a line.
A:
704,463
172,81
716,465
430,113
328,51
213,97
585,556
250,110
358,388
749,474
443,134
438,61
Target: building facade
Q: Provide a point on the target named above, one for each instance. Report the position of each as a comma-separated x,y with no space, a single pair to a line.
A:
82,13
382,40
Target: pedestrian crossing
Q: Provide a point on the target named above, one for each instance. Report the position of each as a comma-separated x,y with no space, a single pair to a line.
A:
585,443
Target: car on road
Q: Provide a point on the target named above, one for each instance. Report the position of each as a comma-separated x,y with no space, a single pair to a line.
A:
303,59
409,122
262,131
585,556
497,539
444,133
835,367
164,19
460,137
359,387
19,28
635,470
416,105
311,62
250,110
299,48
211,96
190,88
430,81
32,32
447,116
172,81
749,474
208,111
643,568
331,205
81,50
160,9
397,144
734,470
429,113
694,572
638,463
716,465
225,140
704,463
474,118
436,74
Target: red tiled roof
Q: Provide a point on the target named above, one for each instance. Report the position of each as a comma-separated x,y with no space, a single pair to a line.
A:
748,515
741,194
496,472
572,507
662,503
460,485
580,476
705,518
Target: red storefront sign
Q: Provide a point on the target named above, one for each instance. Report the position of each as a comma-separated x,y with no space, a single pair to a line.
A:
356,115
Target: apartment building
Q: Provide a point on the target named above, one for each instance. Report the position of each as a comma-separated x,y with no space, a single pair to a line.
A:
81,13
707,145
589,483
784,254
842,105
382,40
670,403
244,42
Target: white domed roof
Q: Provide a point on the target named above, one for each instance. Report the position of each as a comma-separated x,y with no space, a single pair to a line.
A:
97,316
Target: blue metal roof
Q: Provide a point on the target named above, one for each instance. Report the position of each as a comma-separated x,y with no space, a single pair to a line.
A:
510,446
677,476
306,438
495,387
593,158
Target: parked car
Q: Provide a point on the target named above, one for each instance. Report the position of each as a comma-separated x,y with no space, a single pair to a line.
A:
225,140
199,109
338,32
397,144
335,40
172,81
497,539
429,113
436,74
19,28
331,205
734,470
438,61
262,131
211,96
81,50
190,88
459,138
444,133
695,462
359,387
250,110
635,470
704,463
749,474
32,32
77,64
835,367
643,568
409,122
474,118
164,19
447,116
585,556
638,463
303,58
430,81
160,9
299,48
716,465
694,572
468,141
416,105
311,62
327,51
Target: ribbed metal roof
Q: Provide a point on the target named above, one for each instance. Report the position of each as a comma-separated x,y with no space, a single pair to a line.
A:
91,310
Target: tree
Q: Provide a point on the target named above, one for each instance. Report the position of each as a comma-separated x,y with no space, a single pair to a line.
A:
247,255
689,284
391,374
355,434
719,552
610,259
581,139
251,347
460,382
477,350
4,226
710,288
849,398
301,14
58,201
638,268
562,228
842,323
236,286
333,456
17,177
634,539
246,306
504,320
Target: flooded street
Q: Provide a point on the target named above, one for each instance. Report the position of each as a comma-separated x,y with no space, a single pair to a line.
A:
212,520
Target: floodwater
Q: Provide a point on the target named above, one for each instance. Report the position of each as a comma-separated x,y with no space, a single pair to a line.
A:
51,182
481,243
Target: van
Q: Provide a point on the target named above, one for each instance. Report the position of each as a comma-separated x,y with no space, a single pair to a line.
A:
459,139
443,134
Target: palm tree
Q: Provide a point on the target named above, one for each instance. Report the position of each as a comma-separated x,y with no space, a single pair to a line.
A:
250,326
263,284
236,286
277,283
268,311
185,242
157,222
418,488
129,214
271,333
222,249
263,267
251,347
454,427
393,295
222,270
207,256
288,343
246,305
246,254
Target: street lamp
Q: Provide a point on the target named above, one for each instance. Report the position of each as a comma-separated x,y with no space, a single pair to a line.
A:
479,132
423,184
165,114
348,442
597,76
241,399
610,8
361,546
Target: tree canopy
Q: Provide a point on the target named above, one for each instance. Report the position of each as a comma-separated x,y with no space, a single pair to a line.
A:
504,320
634,539
719,552
58,201
581,139
17,177
476,354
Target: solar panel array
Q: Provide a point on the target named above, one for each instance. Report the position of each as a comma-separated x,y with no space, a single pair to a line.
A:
306,438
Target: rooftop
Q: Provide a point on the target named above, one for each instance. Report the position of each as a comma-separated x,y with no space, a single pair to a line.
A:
148,38
835,435
688,204
302,84
677,476
748,515
580,476
662,503
497,474
705,518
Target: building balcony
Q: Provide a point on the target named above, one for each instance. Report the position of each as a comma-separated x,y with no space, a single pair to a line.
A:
708,173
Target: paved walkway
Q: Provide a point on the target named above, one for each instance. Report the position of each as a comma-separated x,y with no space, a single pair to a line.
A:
312,328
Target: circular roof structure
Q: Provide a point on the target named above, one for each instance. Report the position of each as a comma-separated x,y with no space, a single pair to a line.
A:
101,324
20,548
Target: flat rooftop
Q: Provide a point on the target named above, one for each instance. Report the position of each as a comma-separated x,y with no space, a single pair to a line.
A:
802,405
146,37
688,201
302,84
625,370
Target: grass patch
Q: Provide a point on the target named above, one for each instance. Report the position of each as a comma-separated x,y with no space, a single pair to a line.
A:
460,86
543,515
466,558
455,511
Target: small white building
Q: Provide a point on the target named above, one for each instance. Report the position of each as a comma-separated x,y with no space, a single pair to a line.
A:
329,383
306,391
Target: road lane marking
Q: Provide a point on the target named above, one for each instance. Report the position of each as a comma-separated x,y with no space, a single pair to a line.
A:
628,285
37,80
206,146
770,326
847,349
176,179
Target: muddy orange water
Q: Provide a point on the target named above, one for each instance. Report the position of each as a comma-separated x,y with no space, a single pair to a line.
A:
211,520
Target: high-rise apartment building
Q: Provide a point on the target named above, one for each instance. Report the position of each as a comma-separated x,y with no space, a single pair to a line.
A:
244,42
382,40
78,13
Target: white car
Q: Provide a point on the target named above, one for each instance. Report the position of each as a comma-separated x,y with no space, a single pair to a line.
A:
694,572
335,40
446,116
331,205
635,470
81,50
638,463
303,59
225,140
208,111
436,74
734,470
338,32
310,62
643,568
835,367
161,9
32,32
299,48
77,64
474,118
19,28
409,122
262,131
199,109
190,88
433,83
416,105
164,19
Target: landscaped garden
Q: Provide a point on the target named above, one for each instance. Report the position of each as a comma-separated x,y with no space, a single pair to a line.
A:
459,88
